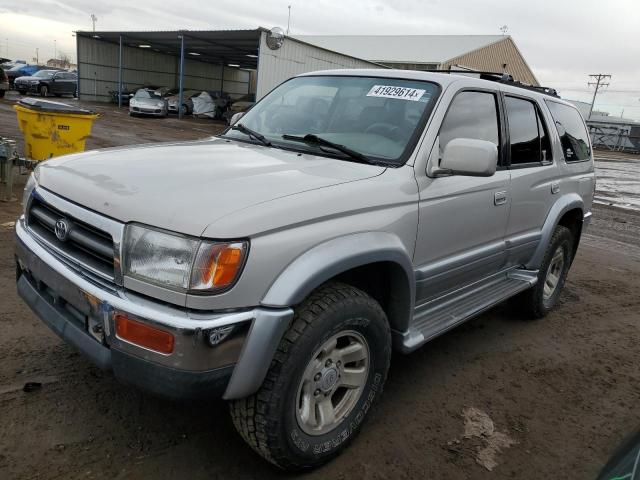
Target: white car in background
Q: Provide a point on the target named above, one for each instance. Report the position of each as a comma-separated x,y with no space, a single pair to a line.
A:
187,102
148,102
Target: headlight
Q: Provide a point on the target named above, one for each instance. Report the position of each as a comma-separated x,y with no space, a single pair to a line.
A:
181,263
160,104
29,187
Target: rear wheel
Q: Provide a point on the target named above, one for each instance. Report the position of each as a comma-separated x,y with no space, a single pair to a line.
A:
44,90
329,369
22,92
538,301
2,93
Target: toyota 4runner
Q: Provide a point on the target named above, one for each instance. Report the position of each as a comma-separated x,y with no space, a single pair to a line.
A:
277,265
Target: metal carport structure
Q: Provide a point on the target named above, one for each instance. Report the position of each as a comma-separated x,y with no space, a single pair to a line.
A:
226,60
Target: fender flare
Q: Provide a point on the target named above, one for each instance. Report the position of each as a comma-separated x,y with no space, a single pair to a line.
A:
333,257
565,203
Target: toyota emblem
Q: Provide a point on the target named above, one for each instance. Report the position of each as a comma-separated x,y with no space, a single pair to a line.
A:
62,229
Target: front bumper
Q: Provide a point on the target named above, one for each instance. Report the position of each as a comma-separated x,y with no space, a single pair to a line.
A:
26,87
154,111
81,312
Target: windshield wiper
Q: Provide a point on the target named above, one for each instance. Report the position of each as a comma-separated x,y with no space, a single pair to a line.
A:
312,139
252,133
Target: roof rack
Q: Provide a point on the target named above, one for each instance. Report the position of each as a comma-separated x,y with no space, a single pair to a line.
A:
503,78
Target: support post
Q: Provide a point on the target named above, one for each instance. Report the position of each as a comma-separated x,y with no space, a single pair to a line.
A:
222,78
181,79
120,74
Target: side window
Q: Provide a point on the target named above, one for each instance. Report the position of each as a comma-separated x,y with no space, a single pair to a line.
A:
471,115
545,142
523,131
573,134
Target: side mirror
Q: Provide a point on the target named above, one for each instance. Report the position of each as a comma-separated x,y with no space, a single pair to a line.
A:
468,157
236,117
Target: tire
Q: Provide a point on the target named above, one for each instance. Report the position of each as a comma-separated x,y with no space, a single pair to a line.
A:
43,90
2,93
536,303
270,421
22,92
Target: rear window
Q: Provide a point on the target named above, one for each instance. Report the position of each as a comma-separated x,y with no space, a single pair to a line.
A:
572,131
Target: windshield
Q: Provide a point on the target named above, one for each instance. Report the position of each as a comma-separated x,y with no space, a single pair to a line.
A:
376,117
44,74
146,94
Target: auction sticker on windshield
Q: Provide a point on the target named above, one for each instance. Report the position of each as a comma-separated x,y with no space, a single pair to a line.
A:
390,91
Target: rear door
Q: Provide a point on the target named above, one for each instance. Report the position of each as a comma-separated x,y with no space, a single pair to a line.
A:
535,176
462,219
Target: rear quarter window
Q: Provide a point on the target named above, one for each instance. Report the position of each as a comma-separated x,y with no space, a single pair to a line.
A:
572,131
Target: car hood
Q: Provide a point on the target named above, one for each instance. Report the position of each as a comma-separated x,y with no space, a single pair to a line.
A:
147,101
28,77
185,186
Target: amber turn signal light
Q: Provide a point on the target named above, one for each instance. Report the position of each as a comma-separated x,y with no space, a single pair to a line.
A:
218,265
143,335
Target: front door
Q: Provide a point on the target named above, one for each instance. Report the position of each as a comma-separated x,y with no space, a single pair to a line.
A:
462,219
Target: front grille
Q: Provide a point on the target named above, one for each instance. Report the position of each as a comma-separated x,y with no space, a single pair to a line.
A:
84,245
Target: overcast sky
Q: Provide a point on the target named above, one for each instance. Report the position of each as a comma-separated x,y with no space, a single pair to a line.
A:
562,40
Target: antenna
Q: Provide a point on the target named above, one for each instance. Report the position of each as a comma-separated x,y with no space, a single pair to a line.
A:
504,29
94,19
288,19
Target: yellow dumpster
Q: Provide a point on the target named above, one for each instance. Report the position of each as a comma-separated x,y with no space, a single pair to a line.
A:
51,129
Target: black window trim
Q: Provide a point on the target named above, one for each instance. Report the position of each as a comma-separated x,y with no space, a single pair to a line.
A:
586,128
500,113
539,115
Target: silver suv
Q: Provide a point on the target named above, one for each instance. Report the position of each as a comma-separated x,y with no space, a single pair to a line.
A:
347,214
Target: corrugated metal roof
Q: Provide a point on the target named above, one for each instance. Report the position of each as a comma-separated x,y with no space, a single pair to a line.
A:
402,48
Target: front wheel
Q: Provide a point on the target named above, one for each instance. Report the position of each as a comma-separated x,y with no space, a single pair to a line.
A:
538,301
44,90
328,371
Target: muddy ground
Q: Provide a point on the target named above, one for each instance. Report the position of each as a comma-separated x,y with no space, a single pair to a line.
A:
562,391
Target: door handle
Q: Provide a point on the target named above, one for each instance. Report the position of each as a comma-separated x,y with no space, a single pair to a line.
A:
500,198
555,187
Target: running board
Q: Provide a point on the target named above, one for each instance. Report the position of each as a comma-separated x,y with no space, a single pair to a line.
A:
437,316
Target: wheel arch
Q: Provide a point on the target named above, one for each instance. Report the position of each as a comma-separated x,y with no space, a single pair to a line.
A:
567,211
360,260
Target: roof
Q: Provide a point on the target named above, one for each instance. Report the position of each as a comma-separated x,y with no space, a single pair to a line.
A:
235,46
443,78
403,48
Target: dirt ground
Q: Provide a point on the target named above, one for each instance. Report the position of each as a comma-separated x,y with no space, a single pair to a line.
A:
546,399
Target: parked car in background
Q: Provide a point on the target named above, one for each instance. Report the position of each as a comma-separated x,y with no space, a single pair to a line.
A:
126,96
222,101
4,83
148,102
239,105
45,82
21,70
187,102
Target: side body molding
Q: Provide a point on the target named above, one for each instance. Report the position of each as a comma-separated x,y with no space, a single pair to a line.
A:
325,261
565,203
